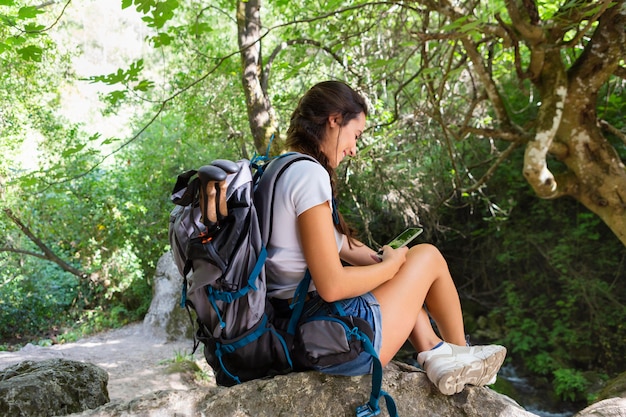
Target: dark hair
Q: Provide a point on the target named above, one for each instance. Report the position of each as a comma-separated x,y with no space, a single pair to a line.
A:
308,126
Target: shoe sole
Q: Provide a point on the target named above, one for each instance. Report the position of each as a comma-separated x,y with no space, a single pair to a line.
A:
479,374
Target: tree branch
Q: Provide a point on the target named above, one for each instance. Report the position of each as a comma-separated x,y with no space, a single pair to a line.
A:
606,126
22,251
507,136
501,158
48,254
302,41
602,54
532,34
576,39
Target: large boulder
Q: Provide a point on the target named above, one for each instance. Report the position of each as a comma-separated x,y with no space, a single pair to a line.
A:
165,319
53,387
611,407
314,394
611,400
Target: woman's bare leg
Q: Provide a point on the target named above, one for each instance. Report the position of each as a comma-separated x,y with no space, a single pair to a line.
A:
423,336
424,278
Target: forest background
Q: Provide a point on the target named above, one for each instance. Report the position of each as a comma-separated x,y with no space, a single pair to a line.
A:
497,126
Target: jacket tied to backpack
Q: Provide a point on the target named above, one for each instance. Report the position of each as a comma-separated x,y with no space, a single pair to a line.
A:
218,232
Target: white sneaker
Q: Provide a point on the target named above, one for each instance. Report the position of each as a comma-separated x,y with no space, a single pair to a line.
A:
451,367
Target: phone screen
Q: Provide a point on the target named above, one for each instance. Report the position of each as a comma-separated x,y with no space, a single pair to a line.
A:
405,237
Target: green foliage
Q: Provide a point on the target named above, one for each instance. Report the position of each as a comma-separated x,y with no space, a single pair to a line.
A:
157,13
570,384
545,275
33,297
551,280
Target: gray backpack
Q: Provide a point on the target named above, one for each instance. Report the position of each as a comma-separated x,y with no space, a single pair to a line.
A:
218,232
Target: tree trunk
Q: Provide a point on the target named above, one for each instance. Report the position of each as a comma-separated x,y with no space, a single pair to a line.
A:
261,114
568,127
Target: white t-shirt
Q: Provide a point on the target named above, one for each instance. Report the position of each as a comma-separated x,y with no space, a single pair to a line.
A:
305,184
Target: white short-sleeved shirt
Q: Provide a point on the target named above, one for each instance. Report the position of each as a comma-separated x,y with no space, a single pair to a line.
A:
305,184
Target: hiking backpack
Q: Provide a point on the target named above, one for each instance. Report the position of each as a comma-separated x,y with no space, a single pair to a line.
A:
218,233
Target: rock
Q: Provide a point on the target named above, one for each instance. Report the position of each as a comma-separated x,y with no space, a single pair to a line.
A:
612,407
314,394
616,387
53,387
165,319
611,400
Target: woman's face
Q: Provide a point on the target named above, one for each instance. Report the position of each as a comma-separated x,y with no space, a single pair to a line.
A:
340,141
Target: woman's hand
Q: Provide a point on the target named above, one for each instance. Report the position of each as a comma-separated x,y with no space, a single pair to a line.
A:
332,279
394,255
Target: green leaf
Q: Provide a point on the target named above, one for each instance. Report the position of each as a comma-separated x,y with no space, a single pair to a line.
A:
29,181
115,96
15,41
163,12
468,27
33,28
144,85
120,76
109,141
456,24
144,6
30,53
28,12
70,151
162,39
200,27
7,3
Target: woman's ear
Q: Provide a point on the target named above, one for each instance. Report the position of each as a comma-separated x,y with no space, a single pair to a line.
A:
334,120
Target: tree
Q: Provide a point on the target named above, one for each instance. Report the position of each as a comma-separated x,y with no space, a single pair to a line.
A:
461,93
261,114
570,55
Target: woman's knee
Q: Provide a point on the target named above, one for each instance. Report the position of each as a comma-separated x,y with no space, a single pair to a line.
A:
426,252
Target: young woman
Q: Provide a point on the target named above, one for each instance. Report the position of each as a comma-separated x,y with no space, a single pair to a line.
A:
391,294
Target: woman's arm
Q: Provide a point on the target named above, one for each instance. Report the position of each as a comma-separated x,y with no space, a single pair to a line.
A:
332,280
358,254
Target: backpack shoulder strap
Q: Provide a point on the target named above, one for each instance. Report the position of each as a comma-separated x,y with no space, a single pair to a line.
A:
266,179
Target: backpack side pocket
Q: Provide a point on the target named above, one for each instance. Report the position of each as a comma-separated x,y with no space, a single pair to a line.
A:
327,340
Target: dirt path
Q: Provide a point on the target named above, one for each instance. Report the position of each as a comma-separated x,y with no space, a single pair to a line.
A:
136,364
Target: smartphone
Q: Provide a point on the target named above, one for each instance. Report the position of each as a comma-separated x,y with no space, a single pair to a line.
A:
403,238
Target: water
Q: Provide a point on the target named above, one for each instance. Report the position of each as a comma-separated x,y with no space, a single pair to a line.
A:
536,401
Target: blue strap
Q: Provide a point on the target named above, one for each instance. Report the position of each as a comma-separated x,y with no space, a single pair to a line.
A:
229,296
339,309
218,353
335,212
284,344
231,347
297,305
372,408
183,293
221,348
211,297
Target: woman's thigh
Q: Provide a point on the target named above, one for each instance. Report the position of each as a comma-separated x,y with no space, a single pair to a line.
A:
402,298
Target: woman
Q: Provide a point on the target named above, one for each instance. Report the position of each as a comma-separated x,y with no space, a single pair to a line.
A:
390,294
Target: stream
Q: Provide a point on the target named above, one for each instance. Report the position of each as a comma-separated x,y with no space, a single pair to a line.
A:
534,400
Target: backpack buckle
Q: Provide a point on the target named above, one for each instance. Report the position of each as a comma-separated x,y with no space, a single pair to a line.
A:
366,410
